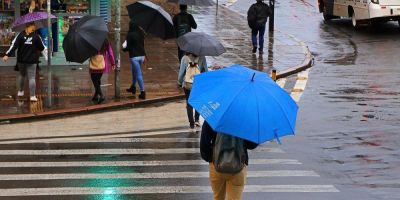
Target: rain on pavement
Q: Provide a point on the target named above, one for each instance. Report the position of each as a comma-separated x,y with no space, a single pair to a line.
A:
347,129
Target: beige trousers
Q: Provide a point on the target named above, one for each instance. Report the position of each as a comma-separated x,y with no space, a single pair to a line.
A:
230,185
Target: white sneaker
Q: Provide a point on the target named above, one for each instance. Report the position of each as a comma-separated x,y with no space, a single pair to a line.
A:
20,93
33,98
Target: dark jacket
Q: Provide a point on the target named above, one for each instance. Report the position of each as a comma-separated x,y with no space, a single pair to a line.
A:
183,18
135,41
258,14
207,140
29,48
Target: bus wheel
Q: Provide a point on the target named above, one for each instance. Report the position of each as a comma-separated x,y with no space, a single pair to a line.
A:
398,22
326,16
354,21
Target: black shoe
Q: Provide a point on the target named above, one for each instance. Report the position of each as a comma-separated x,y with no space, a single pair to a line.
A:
260,51
132,89
142,95
95,97
191,126
100,99
254,49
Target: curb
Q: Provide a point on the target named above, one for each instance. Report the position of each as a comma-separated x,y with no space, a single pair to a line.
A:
86,110
307,63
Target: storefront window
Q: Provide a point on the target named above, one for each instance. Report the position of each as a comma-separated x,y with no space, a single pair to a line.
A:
6,19
71,6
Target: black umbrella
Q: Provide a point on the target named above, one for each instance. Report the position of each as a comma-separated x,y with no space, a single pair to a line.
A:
200,44
152,18
85,38
193,2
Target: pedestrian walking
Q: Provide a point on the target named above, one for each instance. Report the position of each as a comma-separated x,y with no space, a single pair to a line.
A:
183,23
191,65
228,160
257,17
135,47
29,46
103,62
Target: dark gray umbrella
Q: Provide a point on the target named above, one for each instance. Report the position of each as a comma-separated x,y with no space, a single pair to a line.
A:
85,38
200,44
152,18
193,2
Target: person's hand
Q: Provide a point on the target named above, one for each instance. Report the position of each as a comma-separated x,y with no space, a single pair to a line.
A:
5,58
113,67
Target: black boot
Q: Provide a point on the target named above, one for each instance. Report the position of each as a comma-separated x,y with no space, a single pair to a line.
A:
100,99
142,95
132,89
94,98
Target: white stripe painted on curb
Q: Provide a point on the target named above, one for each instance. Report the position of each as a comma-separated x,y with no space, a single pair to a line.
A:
162,190
161,175
281,82
119,151
138,163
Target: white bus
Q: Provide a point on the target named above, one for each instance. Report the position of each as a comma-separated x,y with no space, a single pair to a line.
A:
361,11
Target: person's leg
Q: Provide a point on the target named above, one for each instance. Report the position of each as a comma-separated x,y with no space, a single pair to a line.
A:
189,108
218,183
21,78
261,38
139,75
31,72
180,54
93,78
133,69
235,185
254,38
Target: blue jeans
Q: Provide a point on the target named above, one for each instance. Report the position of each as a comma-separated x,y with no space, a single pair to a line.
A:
260,31
136,64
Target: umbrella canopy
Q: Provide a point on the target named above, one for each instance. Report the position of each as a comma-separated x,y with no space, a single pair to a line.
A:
85,38
152,18
244,103
200,44
193,2
40,19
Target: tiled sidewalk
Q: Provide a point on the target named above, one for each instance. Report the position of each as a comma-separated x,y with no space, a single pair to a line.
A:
71,89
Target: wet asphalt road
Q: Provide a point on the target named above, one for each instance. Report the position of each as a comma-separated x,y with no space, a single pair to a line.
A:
347,131
350,111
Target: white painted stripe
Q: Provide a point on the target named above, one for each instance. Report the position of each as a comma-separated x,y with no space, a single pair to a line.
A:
138,163
296,96
82,138
281,82
161,175
137,140
300,85
161,190
119,151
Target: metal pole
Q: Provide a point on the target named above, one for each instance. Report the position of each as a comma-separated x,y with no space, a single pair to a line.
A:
49,53
217,9
117,38
272,16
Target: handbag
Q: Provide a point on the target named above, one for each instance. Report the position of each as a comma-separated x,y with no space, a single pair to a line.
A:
97,62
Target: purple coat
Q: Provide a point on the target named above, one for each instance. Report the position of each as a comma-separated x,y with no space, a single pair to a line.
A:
109,59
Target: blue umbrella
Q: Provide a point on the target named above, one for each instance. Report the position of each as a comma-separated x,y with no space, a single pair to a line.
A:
244,103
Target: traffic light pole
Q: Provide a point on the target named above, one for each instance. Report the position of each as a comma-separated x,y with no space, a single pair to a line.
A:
117,4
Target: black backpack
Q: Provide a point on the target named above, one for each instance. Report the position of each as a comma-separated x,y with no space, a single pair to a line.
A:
183,25
229,154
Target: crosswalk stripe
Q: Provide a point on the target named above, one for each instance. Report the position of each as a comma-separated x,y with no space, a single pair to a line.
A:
83,138
119,151
281,82
160,175
138,163
160,190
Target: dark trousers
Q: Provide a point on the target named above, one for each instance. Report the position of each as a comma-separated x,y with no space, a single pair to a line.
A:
180,54
260,31
96,79
189,109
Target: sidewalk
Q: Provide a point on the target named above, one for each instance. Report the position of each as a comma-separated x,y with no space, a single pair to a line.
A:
72,88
